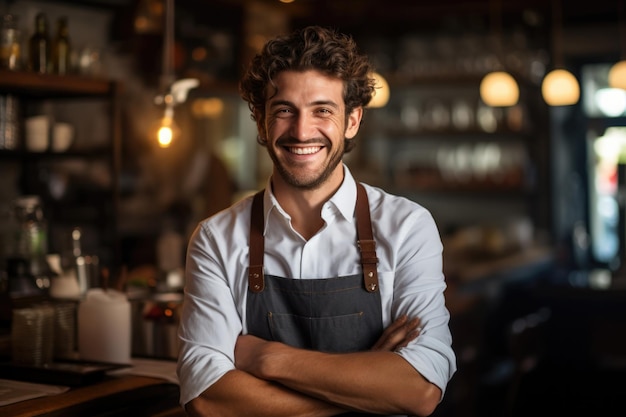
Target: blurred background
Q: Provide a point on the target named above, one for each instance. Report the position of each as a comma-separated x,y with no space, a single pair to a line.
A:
527,186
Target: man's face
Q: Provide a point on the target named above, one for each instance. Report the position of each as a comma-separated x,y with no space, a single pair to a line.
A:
305,127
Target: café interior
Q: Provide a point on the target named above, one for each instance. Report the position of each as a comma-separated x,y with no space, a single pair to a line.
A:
525,179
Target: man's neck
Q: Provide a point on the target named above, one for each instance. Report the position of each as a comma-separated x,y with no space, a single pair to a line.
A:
304,206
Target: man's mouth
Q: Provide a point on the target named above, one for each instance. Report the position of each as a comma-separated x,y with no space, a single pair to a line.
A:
304,151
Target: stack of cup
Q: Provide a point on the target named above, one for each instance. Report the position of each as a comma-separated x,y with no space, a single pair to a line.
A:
32,335
65,330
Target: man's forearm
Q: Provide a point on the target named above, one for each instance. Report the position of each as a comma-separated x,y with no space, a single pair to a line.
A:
373,381
238,394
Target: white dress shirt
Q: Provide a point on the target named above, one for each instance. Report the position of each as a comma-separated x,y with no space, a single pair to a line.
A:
410,275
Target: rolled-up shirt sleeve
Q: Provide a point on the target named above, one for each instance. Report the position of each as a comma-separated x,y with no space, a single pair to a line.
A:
414,284
210,321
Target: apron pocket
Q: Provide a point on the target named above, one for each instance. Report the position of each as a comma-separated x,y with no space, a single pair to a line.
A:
327,334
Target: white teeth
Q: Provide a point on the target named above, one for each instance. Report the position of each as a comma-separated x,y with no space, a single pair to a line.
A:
305,151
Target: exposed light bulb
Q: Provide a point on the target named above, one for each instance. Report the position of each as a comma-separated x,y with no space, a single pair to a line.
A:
499,89
165,134
167,130
560,88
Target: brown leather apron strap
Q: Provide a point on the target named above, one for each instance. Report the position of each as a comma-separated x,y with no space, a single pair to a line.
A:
256,280
366,242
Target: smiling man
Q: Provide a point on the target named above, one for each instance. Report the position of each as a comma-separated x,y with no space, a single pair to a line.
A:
319,295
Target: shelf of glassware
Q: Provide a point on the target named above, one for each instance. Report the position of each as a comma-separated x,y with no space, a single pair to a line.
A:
438,136
88,174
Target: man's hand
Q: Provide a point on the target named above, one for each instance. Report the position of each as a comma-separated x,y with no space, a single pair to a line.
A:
350,381
247,352
398,334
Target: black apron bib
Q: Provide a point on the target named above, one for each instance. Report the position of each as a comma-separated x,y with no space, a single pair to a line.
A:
341,314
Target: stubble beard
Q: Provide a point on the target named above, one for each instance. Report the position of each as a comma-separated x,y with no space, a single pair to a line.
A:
307,182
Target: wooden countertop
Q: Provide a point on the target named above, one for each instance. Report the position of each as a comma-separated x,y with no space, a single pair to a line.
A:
116,395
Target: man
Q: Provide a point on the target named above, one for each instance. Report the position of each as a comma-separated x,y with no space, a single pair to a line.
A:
295,305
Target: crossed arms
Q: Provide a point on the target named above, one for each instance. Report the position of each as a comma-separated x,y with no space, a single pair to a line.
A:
273,379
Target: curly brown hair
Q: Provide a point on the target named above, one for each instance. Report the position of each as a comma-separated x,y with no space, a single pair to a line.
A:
313,47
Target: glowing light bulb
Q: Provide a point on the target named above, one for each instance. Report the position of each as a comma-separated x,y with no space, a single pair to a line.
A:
165,135
499,89
560,88
167,130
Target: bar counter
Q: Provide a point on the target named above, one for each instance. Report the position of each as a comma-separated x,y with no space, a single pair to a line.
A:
124,395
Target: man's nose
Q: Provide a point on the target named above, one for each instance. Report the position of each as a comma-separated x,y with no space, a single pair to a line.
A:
303,127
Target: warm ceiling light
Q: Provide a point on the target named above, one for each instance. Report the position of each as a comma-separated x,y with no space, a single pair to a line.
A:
499,89
166,133
166,130
617,75
381,93
560,88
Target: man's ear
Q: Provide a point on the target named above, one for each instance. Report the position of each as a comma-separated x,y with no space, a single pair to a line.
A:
354,122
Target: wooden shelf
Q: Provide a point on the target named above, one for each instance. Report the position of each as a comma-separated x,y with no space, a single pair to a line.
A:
23,155
34,84
33,168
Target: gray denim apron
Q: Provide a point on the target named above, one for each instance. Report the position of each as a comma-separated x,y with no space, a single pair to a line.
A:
328,314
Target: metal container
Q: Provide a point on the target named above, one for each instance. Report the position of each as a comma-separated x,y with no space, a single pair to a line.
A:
155,320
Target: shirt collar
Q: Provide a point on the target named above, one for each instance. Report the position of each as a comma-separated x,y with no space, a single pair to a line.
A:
344,200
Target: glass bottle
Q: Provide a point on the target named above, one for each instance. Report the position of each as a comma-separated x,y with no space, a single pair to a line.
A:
39,45
61,48
32,238
9,42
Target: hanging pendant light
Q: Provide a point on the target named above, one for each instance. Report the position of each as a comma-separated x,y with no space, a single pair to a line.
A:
559,87
617,73
498,88
166,130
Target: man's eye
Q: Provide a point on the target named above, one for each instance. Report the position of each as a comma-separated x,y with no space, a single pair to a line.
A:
283,112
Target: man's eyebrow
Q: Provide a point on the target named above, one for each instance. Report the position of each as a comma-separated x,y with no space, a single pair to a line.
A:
325,103
274,103
330,103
